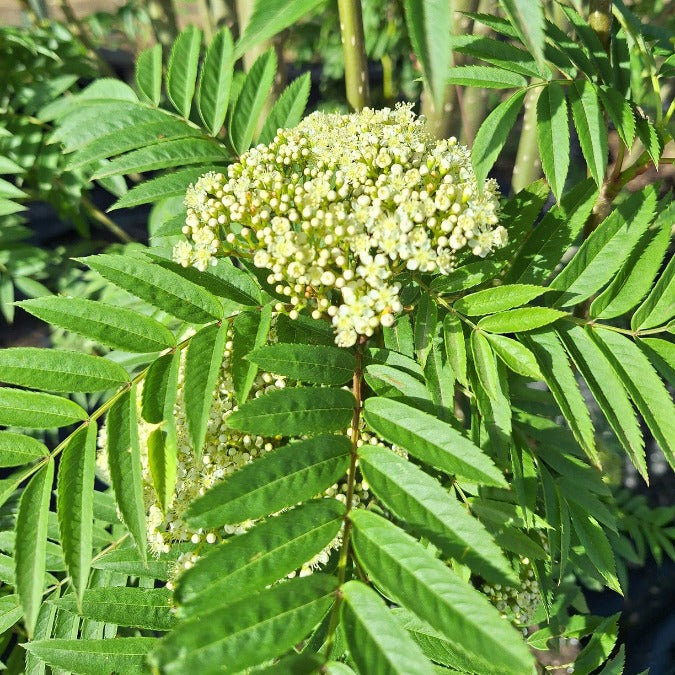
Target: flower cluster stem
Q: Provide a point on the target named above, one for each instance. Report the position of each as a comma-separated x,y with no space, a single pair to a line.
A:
354,50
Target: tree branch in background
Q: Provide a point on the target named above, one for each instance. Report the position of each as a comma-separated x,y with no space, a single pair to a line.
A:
164,22
527,167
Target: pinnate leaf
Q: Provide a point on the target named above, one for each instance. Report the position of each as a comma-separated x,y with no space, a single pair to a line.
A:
498,299
34,410
31,543
318,364
553,136
590,126
149,73
267,552
280,478
251,100
181,73
494,131
288,109
429,439
406,571
247,632
203,361
75,505
376,642
17,450
56,370
424,505
115,327
294,412
93,657
139,607
215,80
160,287
124,465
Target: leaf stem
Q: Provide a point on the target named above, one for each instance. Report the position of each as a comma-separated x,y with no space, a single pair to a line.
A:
354,50
351,482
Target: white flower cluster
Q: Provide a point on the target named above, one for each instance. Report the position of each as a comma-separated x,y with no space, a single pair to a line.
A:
519,604
338,206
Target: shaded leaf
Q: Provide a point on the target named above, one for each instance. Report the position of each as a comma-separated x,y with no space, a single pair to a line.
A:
288,108
149,73
553,136
250,330
213,95
75,505
590,126
31,543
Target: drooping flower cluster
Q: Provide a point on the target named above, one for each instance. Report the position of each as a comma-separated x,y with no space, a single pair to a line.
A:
337,206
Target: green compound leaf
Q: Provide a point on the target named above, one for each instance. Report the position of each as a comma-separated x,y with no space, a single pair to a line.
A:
423,504
659,306
377,643
409,574
149,73
248,632
124,465
635,278
160,388
162,462
266,553
644,386
553,136
33,410
650,138
497,53
660,352
280,478
57,370
430,440
487,77
595,543
429,26
492,135
519,320
93,657
178,152
43,630
528,20
115,327
516,356
455,347
17,450
542,250
288,109
559,377
31,543
271,17
424,330
164,128
213,95
249,330
619,112
153,190
607,389
498,299
435,646
75,505
181,75
160,287
203,361
294,412
318,364
590,126
601,255
138,607
251,100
